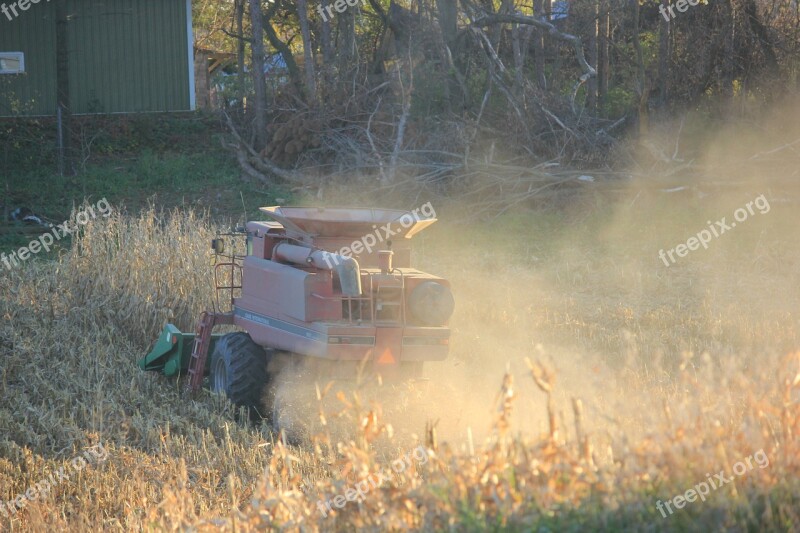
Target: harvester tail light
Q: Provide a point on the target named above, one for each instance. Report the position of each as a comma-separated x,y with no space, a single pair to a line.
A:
386,358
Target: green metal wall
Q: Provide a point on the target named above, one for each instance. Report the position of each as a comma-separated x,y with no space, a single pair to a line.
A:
34,33
124,56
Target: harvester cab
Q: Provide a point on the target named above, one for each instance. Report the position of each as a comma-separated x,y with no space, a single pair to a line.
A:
331,288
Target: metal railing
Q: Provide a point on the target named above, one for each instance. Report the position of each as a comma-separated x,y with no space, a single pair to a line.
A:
353,311
232,262
235,268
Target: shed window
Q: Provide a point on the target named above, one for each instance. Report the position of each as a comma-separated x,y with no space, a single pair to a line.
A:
12,62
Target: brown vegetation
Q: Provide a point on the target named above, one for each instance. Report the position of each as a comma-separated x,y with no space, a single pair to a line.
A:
644,380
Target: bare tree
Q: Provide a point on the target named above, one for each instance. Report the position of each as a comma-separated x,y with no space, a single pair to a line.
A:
663,55
642,86
577,45
259,80
594,35
327,49
240,51
603,60
448,20
346,41
308,52
538,46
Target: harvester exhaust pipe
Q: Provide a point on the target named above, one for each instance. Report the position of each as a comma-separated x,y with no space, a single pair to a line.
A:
345,267
385,261
349,276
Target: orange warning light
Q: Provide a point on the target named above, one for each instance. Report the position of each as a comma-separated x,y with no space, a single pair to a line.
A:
386,358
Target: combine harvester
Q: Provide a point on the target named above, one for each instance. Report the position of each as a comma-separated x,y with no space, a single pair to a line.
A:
303,300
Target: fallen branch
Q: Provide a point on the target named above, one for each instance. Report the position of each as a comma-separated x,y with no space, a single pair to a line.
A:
256,161
775,150
245,165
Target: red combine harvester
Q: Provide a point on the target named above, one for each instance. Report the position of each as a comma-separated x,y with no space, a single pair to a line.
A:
331,289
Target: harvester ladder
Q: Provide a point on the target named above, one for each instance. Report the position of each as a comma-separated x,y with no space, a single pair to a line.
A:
397,300
389,297
202,341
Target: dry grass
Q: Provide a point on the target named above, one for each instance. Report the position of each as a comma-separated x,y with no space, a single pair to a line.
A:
655,377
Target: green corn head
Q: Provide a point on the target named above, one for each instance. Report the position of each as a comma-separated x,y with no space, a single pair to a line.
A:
172,352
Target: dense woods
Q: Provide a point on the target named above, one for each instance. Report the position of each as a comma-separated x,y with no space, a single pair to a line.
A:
434,89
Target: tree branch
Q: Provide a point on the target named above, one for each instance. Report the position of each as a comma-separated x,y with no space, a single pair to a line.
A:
256,161
501,18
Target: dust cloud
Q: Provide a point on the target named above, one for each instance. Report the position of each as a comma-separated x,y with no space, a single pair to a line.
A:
580,287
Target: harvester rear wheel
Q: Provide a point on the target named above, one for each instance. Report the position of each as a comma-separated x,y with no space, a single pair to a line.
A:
239,370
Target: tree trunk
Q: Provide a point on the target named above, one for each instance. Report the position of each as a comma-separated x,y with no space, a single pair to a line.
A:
448,20
507,7
519,58
603,61
308,53
327,49
641,74
346,40
284,50
663,56
728,66
447,11
240,53
455,91
538,46
771,67
594,30
259,80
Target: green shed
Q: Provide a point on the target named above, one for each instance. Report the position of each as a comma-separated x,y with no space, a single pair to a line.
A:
119,56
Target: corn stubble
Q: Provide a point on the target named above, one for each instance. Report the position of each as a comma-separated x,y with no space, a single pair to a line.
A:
73,328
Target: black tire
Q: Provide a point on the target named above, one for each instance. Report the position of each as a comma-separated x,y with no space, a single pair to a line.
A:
239,370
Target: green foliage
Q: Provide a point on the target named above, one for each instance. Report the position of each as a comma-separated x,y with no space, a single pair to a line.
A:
209,18
429,92
10,103
26,145
129,160
228,88
649,42
618,101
